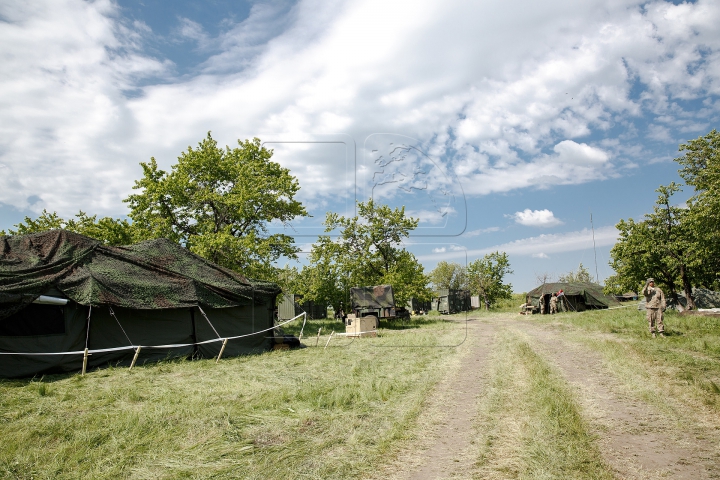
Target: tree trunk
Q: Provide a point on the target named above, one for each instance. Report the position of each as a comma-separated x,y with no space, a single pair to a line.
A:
687,288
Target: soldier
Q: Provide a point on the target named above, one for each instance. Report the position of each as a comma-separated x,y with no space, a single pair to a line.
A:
553,304
654,305
542,305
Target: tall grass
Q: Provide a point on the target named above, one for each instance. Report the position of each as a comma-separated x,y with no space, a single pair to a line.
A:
315,412
530,424
687,359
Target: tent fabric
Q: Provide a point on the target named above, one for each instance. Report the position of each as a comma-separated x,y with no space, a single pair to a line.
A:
154,274
379,296
153,294
590,295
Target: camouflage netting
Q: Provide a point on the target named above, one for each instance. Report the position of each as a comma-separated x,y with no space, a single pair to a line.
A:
380,296
590,294
156,274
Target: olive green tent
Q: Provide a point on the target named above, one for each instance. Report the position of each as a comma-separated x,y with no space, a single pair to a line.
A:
61,293
577,296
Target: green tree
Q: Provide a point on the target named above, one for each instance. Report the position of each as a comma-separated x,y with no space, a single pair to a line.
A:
108,230
218,203
486,276
701,170
367,251
660,246
581,275
449,275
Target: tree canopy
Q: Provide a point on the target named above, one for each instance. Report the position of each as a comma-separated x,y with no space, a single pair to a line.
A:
679,246
367,251
108,230
449,275
486,276
218,202
581,275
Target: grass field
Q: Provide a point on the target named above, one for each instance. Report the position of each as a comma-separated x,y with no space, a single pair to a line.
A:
321,413
340,411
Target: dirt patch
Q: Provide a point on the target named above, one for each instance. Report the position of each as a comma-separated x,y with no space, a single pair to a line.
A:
637,441
444,445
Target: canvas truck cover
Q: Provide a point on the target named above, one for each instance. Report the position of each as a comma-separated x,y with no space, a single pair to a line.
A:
155,274
379,296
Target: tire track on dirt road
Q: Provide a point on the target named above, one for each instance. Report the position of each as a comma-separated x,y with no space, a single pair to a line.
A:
444,449
637,441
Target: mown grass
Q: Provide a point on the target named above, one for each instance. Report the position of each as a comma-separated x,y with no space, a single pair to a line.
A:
686,361
530,424
310,413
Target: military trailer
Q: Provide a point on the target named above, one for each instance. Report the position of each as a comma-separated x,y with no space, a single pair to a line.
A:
290,307
416,306
377,301
450,301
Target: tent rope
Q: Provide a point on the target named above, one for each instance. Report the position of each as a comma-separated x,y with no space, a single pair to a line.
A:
177,345
121,327
208,320
87,330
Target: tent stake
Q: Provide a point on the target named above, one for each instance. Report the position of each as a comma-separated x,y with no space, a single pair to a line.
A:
137,353
84,362
222,349
329,338
317,340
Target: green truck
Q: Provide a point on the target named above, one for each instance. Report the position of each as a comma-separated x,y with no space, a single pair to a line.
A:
377,301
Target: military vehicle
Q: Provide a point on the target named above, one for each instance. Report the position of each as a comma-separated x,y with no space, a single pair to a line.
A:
377,301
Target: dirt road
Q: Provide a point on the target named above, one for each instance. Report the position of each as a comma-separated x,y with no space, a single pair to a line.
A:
635,439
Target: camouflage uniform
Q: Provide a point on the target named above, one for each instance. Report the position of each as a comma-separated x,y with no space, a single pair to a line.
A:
654,305
553,304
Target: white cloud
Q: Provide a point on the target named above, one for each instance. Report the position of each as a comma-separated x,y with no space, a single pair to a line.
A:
536,218
504,93
540,255
439,250
543,244
475,233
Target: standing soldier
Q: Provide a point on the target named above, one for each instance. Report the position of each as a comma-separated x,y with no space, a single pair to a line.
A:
654,305
553,304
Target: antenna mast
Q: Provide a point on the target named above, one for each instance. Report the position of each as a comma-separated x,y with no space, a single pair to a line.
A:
597,277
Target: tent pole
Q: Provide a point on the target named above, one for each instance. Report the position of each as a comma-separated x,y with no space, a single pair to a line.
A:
329,338
317,340
84,362
222,349
137,353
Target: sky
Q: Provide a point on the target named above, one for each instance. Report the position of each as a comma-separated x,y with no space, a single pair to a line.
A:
529,128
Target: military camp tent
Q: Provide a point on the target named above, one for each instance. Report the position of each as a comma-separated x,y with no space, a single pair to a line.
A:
62,292
578,296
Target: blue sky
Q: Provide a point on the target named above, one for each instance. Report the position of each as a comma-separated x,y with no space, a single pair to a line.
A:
501,125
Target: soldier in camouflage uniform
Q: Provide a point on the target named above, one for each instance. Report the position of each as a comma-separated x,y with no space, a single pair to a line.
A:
553,304
654,305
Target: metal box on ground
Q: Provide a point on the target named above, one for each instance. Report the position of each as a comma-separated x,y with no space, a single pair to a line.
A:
362,326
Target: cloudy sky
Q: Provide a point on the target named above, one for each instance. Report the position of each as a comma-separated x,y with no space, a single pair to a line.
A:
502,125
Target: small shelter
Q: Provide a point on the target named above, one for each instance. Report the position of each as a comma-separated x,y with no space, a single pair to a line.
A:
62,294
576,297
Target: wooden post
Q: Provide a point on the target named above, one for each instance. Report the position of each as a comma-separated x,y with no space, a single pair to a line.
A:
318,337
222,349
84,362
329,338
137,354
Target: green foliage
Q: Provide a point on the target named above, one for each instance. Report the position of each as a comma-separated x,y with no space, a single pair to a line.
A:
368,251
581,275
449,275
218,202
485,278
701,170
108,230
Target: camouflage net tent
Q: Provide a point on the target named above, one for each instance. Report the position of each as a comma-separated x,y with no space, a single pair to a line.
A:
578,296
61,292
